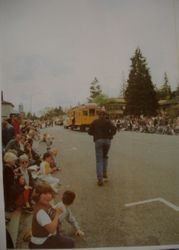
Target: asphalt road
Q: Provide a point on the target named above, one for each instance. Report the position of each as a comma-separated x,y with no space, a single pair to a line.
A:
143,168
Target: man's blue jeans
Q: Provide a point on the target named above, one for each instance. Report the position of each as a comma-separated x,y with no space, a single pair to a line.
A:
102,147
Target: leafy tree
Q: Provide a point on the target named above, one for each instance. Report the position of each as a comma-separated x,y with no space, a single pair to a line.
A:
165,93
95,90
140,94
100,99
29,115
49,113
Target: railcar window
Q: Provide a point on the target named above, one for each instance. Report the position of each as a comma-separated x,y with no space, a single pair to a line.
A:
85,113
91,112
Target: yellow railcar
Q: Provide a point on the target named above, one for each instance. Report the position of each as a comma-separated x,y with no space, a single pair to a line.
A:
80,117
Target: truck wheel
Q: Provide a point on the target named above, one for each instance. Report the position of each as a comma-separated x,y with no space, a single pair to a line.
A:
82,128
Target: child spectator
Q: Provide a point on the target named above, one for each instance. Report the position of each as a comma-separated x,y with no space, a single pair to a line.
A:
47,139
46,171
67,200
53,163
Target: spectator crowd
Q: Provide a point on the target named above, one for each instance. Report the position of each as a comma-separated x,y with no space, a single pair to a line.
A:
26,173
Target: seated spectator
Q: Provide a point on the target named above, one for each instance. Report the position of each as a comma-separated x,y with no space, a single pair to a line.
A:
46,171
22,194
25,128
45,221
23,170
67,200
15,144
16,124
47,139
53,163
8,133
34,158
9,180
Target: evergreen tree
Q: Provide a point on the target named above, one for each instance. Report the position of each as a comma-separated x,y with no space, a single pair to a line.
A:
165,92
140,94
123,85
95,90
175,92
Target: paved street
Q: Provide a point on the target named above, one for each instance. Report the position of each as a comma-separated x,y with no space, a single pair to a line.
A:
139,206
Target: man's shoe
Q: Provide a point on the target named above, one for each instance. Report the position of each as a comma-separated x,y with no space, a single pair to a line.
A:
105,175
100,182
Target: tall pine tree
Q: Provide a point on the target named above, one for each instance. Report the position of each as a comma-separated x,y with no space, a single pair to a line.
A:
95,90
165,92
140,94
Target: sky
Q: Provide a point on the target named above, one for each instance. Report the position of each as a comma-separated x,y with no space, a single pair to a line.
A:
51,50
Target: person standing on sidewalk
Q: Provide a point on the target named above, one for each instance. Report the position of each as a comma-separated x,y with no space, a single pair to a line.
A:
102,130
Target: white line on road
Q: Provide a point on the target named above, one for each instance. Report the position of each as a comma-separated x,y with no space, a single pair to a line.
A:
167,203
71,149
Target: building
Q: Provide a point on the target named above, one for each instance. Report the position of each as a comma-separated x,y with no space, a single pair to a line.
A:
115,107
168,105
21,108
7,108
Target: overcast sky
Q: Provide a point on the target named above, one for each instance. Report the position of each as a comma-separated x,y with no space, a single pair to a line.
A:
53,49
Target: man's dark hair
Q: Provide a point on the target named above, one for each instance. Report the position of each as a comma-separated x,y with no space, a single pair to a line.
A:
68,197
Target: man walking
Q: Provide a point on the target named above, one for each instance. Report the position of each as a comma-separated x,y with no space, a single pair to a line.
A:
102,130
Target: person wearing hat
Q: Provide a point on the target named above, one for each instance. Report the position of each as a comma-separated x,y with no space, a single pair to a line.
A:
45,221
9,180
28,181
102,130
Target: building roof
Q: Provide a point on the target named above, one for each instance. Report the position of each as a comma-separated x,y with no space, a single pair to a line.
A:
116,100
7,103
174,100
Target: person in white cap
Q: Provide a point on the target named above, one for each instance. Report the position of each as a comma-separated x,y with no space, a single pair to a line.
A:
29,185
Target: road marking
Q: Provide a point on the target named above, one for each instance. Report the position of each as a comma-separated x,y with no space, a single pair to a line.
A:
159,199
71,149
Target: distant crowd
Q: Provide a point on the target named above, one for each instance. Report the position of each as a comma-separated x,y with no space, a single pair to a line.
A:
154,125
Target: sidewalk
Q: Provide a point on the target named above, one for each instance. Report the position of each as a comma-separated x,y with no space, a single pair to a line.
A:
13,225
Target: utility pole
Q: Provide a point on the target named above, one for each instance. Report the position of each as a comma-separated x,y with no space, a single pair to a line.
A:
176,38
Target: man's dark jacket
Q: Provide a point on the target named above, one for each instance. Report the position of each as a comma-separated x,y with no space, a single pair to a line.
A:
102,128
